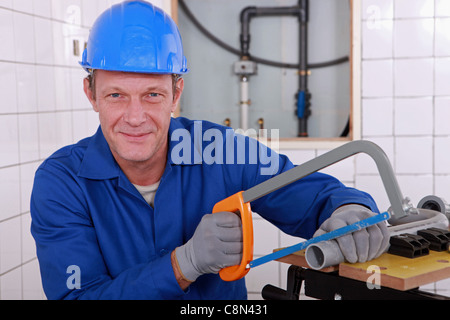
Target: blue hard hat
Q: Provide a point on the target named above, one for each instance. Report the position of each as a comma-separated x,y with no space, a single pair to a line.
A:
135,36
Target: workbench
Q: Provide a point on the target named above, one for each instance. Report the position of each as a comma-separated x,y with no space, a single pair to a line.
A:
398,278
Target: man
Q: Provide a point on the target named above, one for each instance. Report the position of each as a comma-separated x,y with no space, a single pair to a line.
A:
126,213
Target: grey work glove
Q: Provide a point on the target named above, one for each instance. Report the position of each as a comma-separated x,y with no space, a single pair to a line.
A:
362,245
216,243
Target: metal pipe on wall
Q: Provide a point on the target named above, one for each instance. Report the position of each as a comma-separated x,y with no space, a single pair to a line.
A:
244,103
303,96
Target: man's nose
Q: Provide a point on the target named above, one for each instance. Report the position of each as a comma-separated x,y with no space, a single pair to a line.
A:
135,115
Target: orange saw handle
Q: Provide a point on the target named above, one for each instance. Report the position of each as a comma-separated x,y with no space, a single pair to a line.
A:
235,203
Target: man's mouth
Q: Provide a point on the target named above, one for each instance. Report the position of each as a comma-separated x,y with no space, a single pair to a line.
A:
135,136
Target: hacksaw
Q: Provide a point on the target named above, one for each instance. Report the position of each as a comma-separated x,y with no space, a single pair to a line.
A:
240,202
362,224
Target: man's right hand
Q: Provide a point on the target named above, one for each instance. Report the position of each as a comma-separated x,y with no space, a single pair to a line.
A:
216,244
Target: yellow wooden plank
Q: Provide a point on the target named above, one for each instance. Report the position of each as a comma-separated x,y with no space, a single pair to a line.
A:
396,272
402,273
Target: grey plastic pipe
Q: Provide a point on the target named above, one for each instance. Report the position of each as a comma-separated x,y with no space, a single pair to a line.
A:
323,254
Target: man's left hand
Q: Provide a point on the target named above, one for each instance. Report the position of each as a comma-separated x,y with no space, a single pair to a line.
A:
362,245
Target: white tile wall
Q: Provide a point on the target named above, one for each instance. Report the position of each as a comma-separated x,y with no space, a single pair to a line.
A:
43,108
413,77
372,123
380,40
421,45
377,78
405,109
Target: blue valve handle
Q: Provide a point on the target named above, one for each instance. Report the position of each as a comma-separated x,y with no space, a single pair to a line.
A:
301,104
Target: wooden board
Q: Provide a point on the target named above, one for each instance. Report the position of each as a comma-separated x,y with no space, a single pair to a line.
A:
402,273
395,272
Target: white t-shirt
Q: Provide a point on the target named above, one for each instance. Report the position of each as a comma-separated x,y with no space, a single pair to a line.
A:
148,192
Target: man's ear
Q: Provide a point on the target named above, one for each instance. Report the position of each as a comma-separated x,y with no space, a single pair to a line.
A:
177,94
89,94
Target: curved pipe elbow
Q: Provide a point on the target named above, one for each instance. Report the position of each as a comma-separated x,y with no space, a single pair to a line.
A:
246,14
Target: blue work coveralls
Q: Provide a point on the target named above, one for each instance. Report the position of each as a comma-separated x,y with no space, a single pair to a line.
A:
97,238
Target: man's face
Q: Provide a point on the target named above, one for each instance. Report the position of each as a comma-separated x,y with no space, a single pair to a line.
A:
134,111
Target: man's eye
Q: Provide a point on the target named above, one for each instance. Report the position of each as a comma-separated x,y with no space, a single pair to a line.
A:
154,94
115,95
